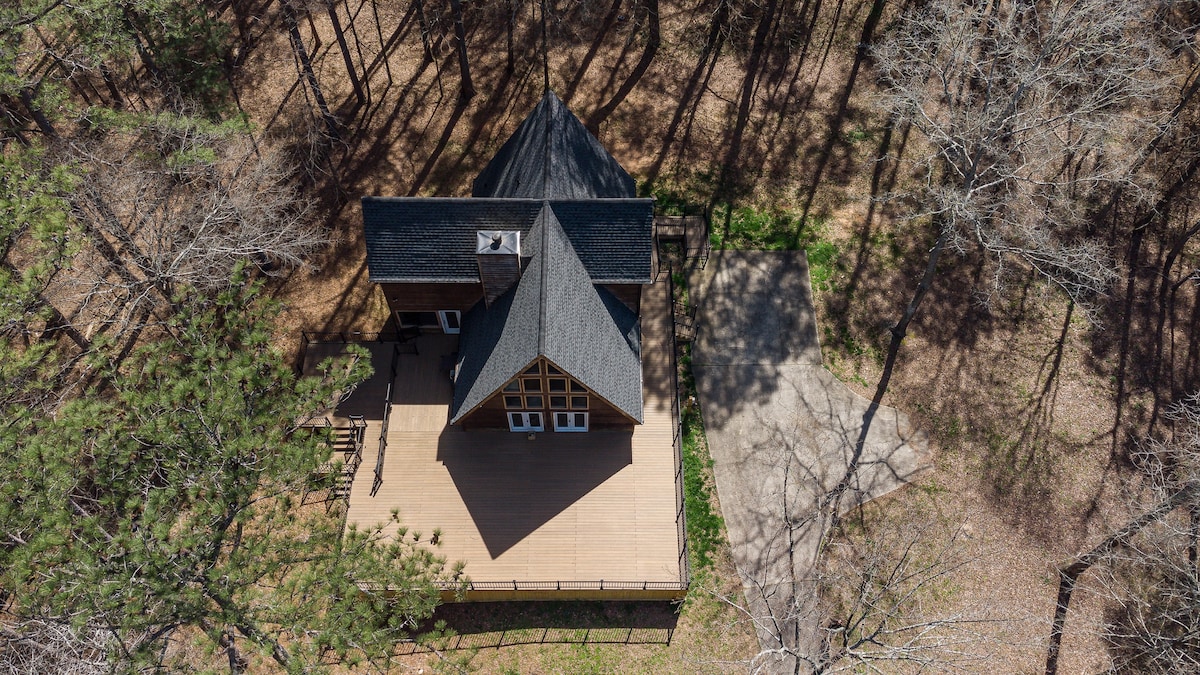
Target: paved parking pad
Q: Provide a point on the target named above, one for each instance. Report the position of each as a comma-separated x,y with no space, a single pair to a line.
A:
782,431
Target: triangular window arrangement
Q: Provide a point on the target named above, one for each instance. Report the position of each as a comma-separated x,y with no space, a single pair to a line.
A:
548,389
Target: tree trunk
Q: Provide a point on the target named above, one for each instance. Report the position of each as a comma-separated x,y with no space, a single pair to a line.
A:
831,503
1165,289
467,89
424,25
111,85
383,49
37,114
293,24
340,35
1068,575
900,330
510,14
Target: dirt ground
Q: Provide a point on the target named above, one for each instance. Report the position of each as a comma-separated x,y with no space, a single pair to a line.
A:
1020,415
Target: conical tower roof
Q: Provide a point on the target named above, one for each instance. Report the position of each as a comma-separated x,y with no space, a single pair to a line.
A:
553,156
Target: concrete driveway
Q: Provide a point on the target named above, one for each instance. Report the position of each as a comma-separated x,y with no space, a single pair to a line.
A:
782,431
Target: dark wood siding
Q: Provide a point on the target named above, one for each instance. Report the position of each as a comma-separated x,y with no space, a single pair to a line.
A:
490,415
432,297
601,415
630,294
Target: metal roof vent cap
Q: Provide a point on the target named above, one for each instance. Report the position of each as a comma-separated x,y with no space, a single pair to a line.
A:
498,242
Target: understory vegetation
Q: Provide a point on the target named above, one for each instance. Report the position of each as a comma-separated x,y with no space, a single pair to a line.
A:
997,202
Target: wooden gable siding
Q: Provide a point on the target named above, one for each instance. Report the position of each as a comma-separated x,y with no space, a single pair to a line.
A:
430,297
630,294
492,414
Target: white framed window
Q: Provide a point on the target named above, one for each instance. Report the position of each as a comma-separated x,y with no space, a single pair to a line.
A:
570,421
450,320
525,421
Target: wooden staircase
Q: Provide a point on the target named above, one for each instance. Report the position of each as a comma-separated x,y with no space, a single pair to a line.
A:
681,241
346,446
685,321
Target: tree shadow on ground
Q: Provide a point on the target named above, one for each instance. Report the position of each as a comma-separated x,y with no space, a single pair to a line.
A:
755,310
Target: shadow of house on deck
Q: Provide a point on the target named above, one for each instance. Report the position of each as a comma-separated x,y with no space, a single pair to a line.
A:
513,485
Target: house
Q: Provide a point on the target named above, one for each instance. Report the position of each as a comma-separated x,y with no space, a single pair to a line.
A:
540,272
528,414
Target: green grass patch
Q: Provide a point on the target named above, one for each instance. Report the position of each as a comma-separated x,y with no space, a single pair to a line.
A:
680,195
705,527
704,524
746,227
749,228
824,264
858,135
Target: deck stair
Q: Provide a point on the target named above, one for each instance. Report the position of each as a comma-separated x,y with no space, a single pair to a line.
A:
346,442
685,321
681,241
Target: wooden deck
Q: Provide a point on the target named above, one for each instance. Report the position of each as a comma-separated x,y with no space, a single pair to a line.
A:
572,510
689,233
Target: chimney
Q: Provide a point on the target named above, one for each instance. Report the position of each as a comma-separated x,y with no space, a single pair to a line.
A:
498,253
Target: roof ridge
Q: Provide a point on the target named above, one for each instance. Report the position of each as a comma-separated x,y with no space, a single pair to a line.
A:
546,214
547,130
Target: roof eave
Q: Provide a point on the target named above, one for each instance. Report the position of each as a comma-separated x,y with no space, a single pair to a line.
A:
423,280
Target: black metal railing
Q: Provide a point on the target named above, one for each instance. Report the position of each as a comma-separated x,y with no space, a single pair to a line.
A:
685,573
348,441
404,336
600,585
358,436
509,637
383,427
682,240
324,337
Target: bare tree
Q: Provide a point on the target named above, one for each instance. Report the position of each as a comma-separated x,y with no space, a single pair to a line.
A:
339,33
467,87
1153,624
176,204
1027,109
869,600
305,66
53,648
1148,568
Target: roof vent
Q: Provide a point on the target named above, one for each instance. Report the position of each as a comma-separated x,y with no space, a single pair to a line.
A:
498,253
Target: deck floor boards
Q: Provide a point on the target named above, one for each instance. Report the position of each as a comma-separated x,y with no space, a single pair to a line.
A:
561,507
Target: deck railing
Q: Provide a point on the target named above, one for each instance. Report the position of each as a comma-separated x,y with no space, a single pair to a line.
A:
600,585
351,449
685,572
682,239
358,429
684,581
321,337
383,427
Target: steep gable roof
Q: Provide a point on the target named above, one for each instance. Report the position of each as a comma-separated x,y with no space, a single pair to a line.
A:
552,155
554,311
428,239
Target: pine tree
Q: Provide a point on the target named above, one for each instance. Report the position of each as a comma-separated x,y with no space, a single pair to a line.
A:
163,509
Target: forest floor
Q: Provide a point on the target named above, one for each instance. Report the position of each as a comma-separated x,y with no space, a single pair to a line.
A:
762,124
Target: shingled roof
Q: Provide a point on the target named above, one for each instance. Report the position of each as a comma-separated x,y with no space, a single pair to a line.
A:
554,311
553,156
423,239
580,226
